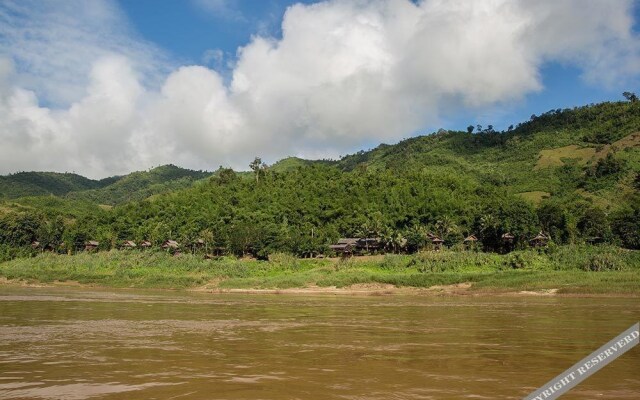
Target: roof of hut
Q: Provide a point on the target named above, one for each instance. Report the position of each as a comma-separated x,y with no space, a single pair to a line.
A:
540,237
471,238
351,241
93,243
170,243
507,235
129,243
341,246
436,239
145,243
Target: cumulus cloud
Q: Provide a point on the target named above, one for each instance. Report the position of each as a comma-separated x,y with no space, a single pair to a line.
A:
344,73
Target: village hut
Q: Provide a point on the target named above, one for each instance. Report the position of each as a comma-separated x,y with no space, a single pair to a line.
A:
35,244
197,245
145,244
540,240
507,237
595,240
369,244
345,246
470,241
170,244
91,245
129,244
436,242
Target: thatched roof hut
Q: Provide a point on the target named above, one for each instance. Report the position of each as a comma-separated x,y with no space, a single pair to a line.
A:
145,244
129,244
91,245
35,244
595,240
170,244
539,240
470,239
436,242
351,241
507,237
345,246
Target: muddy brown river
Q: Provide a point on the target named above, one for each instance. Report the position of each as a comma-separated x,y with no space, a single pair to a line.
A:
100,344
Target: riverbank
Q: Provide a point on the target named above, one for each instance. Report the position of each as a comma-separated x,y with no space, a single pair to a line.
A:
568,270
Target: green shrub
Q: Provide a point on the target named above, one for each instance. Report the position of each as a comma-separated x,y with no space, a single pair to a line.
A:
517,261
284,261
394,262
603,262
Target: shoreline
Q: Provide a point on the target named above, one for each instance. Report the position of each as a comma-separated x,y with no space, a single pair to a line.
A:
356,290
567,271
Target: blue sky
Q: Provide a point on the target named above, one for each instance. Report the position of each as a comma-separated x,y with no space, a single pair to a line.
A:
105,87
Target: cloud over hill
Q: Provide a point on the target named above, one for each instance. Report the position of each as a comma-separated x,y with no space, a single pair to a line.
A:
79,90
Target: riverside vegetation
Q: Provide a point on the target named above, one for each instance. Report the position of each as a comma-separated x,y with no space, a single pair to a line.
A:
573,174
568,269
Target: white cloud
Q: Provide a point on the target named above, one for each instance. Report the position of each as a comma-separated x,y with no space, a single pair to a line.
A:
344,73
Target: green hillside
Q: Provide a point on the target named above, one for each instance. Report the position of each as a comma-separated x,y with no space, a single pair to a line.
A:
573,174
23,184
142,184
108,191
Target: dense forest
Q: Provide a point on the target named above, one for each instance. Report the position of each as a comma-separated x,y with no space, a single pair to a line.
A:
573,174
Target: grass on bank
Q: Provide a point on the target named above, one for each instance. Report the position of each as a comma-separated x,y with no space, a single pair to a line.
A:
570,269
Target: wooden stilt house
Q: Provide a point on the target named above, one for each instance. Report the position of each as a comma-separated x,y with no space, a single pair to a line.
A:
540,240
91,245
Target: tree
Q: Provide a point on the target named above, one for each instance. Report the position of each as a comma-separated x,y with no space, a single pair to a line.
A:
625,223
470,128
630,96
554,221
608,166
594,223
258,167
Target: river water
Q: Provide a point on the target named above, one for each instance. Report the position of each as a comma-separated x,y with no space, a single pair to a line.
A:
79,344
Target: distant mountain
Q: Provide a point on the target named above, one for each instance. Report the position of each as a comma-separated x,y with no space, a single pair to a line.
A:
23,184
292,163
109,191
552,155
573,174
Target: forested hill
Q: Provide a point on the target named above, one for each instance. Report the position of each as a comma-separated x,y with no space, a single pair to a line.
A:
109,191
24,184
573,174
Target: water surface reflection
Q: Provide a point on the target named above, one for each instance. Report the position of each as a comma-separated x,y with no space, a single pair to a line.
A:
79,344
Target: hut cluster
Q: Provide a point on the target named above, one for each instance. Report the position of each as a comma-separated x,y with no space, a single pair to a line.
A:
346,247
357,246
171,246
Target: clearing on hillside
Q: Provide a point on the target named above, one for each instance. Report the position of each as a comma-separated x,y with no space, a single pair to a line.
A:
553,157
632,140
535,197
